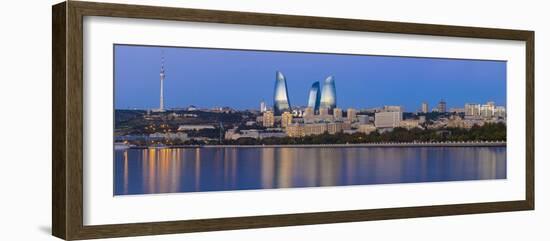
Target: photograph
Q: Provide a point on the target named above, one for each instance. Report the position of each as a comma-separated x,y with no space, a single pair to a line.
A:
190,119
182,120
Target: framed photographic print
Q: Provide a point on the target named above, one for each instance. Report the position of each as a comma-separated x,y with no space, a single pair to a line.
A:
171,120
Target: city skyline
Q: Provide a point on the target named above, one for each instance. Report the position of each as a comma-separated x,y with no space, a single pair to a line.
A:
238,78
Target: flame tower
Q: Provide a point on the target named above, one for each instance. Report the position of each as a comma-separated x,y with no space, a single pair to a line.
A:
314,97
328,95
280,97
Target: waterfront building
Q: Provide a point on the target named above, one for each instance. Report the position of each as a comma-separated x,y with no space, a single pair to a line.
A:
300,130
328,94
337,113
309,113
346,125
315,129
351,115
195,127
286,119
388,119
424,107
295,130
334,127
366,128
324,115
268,119
442,106
472,109
314,100
363,119
250,134
233,134
281,101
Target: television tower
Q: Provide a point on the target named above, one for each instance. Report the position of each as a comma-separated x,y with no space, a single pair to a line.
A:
162,76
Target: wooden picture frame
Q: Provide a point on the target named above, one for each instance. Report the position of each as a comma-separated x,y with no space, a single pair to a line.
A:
67,152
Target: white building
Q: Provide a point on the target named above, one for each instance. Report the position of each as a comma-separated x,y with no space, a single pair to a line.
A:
363,119
195,127
286,119
351,115
472,109
424,107
487,110
268,119
337,112
442,106
388,119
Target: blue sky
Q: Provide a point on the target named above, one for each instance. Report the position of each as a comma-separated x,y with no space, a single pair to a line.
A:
242,78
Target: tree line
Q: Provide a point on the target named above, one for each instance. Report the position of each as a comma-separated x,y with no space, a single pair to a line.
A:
487,132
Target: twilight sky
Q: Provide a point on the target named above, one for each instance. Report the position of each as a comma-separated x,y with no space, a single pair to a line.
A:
242,78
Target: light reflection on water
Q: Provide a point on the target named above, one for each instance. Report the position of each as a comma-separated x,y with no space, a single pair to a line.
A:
216,169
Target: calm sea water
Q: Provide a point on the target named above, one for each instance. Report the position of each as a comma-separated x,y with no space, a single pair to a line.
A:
216,169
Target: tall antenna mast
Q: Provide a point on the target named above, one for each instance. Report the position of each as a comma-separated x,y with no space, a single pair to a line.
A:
162,76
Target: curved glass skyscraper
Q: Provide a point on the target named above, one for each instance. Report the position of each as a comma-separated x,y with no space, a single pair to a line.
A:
328,95
280,97
314,100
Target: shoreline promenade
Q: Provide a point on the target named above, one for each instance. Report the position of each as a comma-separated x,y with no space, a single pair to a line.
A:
388,144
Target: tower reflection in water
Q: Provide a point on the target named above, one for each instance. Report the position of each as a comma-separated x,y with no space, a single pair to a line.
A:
215,169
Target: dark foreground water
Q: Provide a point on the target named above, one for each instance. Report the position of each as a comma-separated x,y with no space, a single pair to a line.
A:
141,171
